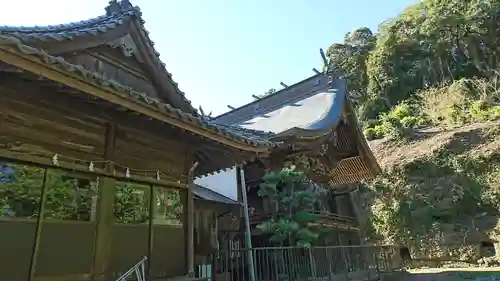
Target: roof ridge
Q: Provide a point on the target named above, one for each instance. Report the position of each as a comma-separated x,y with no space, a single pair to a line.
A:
60,27
277,93
115,11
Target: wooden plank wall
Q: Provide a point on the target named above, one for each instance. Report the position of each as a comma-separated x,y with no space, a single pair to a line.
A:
105,61
34,122
148,152
36,125
44,123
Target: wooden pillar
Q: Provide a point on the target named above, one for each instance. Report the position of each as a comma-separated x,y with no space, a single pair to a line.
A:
355,203
39,223
188,225
104,214
188,211
339,204
151,217
238,184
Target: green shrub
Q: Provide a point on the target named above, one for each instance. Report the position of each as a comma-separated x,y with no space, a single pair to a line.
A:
394,123
370,133
413,121
461,102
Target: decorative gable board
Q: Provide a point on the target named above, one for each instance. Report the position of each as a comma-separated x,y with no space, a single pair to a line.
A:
113,64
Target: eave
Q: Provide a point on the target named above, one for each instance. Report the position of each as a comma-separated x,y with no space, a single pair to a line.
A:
13,52
319,125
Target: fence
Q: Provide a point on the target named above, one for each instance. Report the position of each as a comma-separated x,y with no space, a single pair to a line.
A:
294,263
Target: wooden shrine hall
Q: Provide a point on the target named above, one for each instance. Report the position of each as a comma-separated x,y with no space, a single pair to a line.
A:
99,150
315,123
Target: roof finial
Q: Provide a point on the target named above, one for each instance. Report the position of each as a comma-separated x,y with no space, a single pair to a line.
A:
115,7
203,115
126,5
328,65
112,8
323,57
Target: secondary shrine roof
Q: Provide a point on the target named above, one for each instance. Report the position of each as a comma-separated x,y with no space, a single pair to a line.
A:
308,109
318,112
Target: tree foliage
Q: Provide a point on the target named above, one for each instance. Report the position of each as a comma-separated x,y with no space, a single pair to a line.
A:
436,63
434,200
296,199
432,42
71,198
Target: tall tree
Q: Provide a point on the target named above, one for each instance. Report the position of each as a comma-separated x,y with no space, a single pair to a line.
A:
295,198
351,57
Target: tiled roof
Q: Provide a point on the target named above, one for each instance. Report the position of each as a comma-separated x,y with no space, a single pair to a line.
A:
318,113
69,31
207,194
247,136
123,12
247,133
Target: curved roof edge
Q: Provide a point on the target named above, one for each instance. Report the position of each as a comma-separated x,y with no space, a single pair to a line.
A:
270,102
328,122
332,116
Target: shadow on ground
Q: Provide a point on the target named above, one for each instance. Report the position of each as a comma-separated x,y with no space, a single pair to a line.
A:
452,274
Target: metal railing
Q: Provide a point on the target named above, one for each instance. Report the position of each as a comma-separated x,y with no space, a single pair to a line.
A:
138,269
363,262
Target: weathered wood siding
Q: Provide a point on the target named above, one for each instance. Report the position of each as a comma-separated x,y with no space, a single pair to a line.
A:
36,124
106,62
41,124
147,151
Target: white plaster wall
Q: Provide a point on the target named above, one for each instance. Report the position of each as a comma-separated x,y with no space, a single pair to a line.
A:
223,183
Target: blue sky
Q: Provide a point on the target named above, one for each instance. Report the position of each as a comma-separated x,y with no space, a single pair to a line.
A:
220,51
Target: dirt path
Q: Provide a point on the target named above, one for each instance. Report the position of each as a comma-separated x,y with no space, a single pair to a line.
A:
453,274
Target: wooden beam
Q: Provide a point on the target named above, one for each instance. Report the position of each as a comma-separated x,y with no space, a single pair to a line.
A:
151,209
84,169
38,230
37,66
105,216
122,65
189,225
